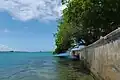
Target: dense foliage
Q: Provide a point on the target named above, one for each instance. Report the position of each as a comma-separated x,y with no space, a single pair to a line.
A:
86,20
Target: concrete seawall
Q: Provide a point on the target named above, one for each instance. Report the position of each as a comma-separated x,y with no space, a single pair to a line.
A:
103,56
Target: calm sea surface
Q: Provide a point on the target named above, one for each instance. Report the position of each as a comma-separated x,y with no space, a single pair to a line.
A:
40,66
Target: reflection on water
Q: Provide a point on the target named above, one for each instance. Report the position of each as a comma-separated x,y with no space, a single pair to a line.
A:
72,70
33,66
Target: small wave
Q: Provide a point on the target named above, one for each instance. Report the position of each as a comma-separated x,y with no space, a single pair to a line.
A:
19,72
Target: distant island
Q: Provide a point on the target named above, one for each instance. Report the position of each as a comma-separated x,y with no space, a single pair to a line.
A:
13,51
28,51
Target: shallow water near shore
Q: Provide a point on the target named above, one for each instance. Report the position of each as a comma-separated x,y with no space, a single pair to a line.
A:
40,66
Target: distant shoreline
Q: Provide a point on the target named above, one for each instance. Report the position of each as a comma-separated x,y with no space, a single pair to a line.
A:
28,51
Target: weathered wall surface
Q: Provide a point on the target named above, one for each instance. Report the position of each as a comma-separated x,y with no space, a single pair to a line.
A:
103,56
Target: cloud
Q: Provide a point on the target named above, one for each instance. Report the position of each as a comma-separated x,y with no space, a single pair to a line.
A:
5,48
6,30
25,27
32,9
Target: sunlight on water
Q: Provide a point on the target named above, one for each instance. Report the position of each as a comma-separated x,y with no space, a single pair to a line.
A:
39,66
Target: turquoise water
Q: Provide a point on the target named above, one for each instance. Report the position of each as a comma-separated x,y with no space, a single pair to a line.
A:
39,66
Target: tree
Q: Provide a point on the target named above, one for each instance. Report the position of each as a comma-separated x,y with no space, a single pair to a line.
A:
87,20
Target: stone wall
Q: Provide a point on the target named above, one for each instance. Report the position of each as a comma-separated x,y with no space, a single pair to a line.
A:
103,56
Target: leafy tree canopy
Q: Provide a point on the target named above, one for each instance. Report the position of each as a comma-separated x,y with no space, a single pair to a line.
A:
86,20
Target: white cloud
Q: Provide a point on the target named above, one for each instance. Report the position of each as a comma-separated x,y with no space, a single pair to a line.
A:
6,30
32,9
5,48
25,27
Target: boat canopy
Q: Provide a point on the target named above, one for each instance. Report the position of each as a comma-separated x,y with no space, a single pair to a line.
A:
77,48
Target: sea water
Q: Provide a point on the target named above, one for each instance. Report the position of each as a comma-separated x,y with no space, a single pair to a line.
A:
39,66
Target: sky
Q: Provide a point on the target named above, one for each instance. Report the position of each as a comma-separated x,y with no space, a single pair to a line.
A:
28,25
